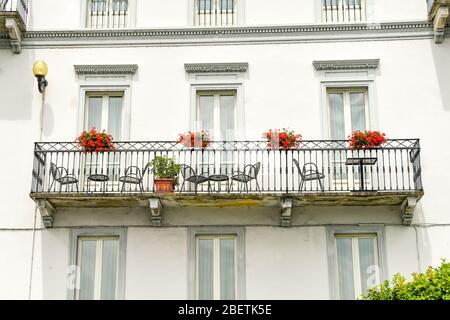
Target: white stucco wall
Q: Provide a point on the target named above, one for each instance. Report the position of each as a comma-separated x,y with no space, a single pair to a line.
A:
49,14
281,89
280,263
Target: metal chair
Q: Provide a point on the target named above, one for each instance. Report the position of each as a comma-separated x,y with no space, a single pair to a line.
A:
133,175
191,176
308,174
62,176
249,173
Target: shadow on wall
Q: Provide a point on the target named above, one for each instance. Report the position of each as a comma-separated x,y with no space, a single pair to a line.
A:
48,121
425,254
441,56
17,85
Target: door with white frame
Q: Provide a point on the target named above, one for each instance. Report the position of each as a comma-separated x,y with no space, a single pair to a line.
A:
104,111
348,110
216,113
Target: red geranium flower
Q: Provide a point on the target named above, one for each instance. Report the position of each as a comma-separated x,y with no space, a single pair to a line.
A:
282,139
192,139
366,139
94,141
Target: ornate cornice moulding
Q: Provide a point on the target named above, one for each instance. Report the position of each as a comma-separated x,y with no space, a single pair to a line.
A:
215,67
228,35
330,65
106,69
179,32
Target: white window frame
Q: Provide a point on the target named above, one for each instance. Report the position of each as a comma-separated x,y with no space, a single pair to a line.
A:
105,92
216,262
240,15
105,95
131,16
218,85
356,258
333,232
97,234
216,96
341,13
105,89
195,233
352,176
346,91
350,80
98,264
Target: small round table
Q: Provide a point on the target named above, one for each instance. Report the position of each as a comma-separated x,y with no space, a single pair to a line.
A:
98,178
220,178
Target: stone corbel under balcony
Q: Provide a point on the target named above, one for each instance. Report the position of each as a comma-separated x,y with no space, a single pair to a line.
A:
439,14
156,211
48,203
408,207
47,211
15,34
286,212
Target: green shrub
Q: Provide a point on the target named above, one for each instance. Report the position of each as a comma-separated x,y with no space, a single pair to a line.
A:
431,285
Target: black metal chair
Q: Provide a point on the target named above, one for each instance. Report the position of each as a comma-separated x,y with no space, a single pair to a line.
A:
133,175
62,176
190,175
249,173
308,174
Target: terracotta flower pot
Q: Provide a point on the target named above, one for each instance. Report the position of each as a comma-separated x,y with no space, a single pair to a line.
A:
164,185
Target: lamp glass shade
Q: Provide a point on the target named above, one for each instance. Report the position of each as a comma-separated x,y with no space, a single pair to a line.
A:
40,69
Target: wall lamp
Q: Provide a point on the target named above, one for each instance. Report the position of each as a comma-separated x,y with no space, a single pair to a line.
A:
40,70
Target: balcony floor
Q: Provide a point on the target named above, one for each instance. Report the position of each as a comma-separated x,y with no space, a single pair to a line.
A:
111,200
15,15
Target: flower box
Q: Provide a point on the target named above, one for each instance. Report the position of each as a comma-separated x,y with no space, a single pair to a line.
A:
282,139
191,139
95,141
360,140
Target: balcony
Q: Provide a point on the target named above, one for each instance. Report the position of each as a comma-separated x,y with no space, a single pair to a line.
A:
438,13
331,175
13,21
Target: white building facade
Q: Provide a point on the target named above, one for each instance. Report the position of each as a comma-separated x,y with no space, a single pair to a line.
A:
244,221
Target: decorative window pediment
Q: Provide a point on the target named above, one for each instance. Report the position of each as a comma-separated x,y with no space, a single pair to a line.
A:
215,67
113,69
331,65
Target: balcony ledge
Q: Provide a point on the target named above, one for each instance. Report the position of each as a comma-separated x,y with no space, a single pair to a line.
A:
13,24
49,203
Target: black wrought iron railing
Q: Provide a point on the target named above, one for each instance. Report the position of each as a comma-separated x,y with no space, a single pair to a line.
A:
107,14
20,6
215,12
342,11
239,166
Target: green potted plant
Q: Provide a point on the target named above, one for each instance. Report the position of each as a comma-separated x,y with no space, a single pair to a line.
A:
166,172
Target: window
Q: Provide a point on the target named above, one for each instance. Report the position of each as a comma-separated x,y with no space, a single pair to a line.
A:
216,112
341,11
348,110
216,267
107,14
104,112
357,263
215,12
216,263
98,264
